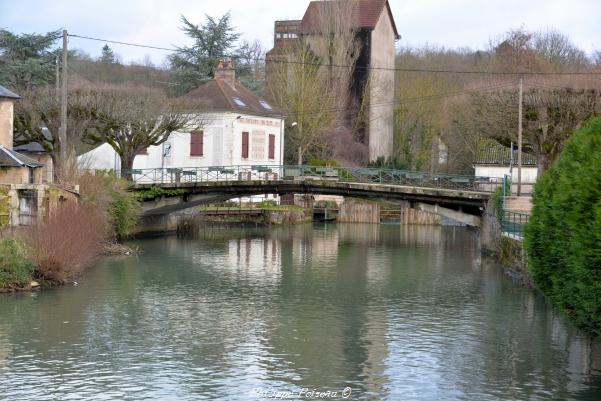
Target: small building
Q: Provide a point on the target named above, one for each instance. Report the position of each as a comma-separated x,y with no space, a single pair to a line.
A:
496,161
237,127
36,151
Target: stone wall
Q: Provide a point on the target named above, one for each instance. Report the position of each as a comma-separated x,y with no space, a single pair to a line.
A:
381,89
6,123
20,175
27,203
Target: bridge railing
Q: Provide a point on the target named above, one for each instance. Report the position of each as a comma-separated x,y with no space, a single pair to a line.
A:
303,173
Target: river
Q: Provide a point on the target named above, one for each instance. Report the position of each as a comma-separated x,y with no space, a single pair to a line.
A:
359,311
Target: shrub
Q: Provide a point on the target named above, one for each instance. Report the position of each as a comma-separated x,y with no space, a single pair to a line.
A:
267,204
66,242
16,269
108,193
563,237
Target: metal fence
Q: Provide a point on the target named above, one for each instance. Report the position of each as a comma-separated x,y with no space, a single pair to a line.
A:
296,172
513,224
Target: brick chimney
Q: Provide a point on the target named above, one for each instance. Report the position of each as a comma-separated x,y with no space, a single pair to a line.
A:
227,72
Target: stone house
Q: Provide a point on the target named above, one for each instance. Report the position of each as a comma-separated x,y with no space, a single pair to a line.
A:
23,194
372,81
35,151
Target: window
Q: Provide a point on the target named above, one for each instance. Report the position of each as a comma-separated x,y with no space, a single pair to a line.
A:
271,146
196,143
245,145
239,102
257,145
265,105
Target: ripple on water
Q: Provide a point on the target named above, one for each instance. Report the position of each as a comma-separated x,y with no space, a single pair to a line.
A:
393,312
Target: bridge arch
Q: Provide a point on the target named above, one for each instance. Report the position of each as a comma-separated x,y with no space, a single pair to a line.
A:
466,206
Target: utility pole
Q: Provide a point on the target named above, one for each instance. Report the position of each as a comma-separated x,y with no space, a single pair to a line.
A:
57,80
63,129
520,140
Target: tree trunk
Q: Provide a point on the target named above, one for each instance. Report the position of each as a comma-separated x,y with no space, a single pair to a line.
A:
543,163
300,155
127,164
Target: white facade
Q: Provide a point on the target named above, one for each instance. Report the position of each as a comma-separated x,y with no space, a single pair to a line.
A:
222,145
529,173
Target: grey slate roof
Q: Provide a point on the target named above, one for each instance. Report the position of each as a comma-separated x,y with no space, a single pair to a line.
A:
493,153
34,147
10,158
6,93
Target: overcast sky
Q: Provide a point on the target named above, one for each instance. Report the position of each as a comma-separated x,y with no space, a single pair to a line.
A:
456,23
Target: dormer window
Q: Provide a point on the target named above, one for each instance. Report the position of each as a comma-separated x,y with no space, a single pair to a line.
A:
265,105
239,102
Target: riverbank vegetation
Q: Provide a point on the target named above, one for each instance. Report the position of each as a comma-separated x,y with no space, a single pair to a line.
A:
61,246
16,269
563,237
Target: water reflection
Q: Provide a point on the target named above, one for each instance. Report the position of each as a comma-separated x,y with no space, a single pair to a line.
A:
395,312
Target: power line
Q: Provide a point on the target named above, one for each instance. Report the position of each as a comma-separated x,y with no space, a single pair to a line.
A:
400,69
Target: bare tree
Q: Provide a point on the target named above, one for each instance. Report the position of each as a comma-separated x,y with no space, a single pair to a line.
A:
557,48
131,119
308,82
550,117
298,88
37,119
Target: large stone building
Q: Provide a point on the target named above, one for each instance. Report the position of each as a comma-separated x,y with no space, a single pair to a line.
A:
372,80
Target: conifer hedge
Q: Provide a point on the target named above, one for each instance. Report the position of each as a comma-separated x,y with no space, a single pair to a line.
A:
563,236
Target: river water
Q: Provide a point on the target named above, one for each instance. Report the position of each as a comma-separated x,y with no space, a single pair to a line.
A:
380,312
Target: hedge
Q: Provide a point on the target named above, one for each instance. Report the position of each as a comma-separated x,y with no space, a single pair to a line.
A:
563,237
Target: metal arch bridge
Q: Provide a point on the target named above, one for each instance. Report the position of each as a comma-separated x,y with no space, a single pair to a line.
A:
460,197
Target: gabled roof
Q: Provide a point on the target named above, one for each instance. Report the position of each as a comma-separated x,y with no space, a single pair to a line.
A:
219,95
10,158
365,15
491,152
8,94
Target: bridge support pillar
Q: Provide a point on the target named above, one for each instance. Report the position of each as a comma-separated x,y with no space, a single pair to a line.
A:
461,217
490,232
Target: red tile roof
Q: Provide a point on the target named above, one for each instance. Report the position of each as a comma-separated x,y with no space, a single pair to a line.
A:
220,95
365,14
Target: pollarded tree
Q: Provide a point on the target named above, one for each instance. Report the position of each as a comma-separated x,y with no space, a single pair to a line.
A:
39,109
132,119
563,237
550,117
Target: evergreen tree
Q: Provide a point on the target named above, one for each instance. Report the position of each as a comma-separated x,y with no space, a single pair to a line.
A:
193,66
26,60
563,236
107,57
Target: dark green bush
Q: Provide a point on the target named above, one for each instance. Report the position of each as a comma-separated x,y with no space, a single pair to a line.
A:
16,269
108,193
563,237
